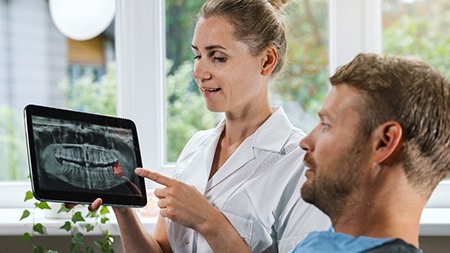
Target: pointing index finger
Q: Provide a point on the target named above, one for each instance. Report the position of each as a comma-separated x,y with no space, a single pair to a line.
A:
155,177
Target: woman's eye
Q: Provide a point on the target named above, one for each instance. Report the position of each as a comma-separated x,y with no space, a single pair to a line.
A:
219,59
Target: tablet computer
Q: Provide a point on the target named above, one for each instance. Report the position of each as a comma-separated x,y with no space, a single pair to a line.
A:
76,157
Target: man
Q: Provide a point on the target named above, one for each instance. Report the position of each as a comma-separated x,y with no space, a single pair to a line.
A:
381,147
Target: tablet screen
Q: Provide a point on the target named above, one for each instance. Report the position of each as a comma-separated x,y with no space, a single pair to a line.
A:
76,157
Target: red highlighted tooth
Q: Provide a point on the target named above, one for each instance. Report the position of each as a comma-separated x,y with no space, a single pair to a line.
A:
117,169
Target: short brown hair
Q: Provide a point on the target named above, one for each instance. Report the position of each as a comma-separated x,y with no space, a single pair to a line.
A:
258,23
415,95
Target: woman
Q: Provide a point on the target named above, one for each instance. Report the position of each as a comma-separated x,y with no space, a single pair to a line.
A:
236,187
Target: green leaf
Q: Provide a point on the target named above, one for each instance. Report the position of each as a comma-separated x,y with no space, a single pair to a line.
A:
28,196
103,220
89,227
78,239
26,236
104,210
74,248
42,205
25,214
38,249
99,244
67,226
108,235
38,227
64,209
92,215
76,217
89,250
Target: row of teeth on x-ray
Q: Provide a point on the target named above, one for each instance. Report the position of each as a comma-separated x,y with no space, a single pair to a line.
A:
84,165
86,155
96,173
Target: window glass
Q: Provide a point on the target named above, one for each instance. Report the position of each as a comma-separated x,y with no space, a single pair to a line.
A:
419,28
300,91
40,65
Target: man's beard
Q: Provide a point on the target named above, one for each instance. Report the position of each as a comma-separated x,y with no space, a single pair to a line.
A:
331,190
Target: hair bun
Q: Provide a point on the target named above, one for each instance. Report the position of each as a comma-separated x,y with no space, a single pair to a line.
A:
278,4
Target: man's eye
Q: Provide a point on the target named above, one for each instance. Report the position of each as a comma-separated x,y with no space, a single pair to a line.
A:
325,126
197,57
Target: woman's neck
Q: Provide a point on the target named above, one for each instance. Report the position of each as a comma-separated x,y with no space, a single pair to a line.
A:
240,125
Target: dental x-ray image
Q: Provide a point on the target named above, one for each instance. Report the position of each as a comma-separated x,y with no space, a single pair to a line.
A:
80,157
86,157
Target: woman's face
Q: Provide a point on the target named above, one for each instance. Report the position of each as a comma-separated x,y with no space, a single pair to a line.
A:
227,74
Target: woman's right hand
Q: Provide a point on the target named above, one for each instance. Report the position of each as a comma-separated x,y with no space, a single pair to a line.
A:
93,207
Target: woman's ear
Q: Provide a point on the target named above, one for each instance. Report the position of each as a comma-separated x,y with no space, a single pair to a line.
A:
388,139
269,60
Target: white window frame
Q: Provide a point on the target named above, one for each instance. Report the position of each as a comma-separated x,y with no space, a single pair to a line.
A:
355,26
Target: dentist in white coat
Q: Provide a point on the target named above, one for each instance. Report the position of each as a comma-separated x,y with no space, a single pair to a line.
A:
236,187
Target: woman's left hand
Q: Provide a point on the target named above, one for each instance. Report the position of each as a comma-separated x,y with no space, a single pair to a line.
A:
182,203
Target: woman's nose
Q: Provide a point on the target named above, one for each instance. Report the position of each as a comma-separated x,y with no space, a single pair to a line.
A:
200,71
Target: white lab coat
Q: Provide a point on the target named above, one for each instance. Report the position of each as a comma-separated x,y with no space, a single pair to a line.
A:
257,188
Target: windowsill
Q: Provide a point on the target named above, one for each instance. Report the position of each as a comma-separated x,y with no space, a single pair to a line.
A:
11,226
434,222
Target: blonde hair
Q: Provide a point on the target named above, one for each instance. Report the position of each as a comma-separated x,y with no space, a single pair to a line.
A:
258,23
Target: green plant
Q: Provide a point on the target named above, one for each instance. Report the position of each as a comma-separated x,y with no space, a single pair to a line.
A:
77,244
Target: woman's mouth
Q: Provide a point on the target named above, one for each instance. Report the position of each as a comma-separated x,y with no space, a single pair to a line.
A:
210,90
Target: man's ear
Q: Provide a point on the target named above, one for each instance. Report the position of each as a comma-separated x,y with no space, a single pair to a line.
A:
269,60
388,139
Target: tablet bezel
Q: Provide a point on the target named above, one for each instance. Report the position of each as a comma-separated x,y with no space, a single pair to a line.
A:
88,118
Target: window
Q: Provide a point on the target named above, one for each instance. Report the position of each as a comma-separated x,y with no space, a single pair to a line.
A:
353,25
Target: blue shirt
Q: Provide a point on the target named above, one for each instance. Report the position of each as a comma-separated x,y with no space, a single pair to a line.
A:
328,241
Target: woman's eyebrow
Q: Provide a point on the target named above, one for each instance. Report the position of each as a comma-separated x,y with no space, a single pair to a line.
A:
211,47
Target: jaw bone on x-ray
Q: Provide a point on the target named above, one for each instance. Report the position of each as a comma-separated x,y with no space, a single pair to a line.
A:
85,156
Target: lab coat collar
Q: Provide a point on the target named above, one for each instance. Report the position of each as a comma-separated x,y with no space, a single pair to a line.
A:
268,139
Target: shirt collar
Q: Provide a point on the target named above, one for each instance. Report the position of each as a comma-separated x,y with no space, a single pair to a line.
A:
328,241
